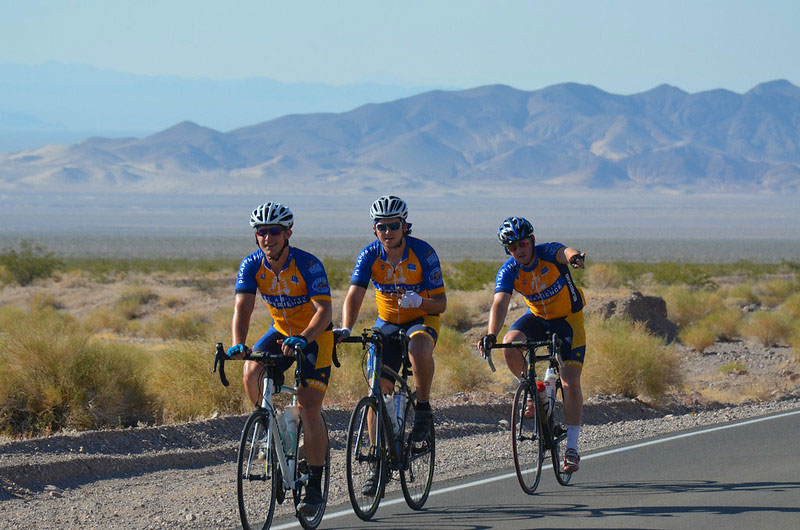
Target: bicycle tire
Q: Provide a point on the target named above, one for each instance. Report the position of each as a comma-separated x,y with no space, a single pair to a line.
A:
362,456
301,468
257,481
416,473
559,432
526,439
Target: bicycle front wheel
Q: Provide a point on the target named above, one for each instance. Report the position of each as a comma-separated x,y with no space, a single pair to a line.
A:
365,460
416,473
526,438
559,439
301,473
257,479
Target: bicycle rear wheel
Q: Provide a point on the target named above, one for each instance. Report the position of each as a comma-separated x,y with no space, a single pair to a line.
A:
416,473
301,471
363,459
257,479
559,439
526,439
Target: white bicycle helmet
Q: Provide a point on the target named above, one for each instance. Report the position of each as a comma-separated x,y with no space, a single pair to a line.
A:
387,207
272,213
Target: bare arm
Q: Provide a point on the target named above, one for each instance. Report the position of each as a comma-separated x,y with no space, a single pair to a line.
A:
498,312
242,311
434,305
572,256
352,305
320,321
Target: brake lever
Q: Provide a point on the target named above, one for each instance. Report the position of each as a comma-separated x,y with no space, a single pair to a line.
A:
219,359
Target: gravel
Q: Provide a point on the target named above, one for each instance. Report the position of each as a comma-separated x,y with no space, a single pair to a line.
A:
182,476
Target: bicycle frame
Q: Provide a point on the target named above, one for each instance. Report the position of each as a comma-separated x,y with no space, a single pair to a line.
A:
285,462
375,368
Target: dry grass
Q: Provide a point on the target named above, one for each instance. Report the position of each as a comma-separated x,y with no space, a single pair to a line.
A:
54,376
466,309
773,292
686,305
182,385
625,359
603,276
768,327
458,365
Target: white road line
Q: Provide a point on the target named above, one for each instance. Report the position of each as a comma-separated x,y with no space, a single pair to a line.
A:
505,476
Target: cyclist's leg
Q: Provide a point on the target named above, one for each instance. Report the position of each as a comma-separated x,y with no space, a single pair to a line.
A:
253,372
316,370
423,336
527,326
573,351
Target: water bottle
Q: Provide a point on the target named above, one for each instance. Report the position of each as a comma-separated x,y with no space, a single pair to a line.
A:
400,409
389,402
542,393
281,424
291,415
550,379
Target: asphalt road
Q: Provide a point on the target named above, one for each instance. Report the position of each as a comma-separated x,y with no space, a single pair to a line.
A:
739,475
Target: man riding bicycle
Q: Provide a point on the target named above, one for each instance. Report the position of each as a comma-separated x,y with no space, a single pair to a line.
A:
294,285
410,294
541,274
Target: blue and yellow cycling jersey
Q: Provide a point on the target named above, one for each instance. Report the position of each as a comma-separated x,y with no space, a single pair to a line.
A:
419,271
547,285
289,292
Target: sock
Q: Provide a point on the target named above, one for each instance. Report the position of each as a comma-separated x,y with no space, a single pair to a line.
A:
572,436
315,476
423,405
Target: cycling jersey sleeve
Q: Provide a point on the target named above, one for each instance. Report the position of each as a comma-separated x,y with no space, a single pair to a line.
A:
549,251
316,279
362,272
504,281
246,278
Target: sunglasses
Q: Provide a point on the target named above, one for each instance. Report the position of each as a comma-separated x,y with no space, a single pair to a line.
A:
264,231
383,227
518,244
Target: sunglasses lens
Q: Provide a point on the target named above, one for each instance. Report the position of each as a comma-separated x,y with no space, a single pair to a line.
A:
388,226
273,231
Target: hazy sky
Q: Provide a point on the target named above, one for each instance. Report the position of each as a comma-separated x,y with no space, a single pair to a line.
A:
619,46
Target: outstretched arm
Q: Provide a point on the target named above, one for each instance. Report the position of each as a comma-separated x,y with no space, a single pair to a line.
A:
572,256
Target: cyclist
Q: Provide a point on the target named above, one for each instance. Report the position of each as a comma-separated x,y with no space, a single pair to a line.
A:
294,285
410,294
540,273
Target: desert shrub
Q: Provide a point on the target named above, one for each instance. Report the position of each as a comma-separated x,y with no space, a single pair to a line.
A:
625,359
740,294
27,262
698,336
794,340
459,368
181,326
791,306
132,298
603,276
686,305
732,367
44,301
339,272
724,322
53,376
468,275
184,387
108,269
773,292
770,328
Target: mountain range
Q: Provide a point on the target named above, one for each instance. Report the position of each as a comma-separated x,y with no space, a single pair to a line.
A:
491,139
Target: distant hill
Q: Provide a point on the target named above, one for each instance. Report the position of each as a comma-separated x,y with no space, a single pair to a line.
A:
482,140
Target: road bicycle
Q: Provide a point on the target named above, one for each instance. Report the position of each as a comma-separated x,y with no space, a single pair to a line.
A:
375,446
271,463
542,428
